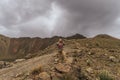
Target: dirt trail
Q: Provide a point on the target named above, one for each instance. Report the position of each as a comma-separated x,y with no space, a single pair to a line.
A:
25,66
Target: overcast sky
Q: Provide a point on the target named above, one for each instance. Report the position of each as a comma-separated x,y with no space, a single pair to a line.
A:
44,18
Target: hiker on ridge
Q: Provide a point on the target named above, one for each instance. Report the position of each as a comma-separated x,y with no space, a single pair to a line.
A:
60,46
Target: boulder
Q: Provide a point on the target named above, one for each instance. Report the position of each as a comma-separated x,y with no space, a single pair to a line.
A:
91,53
69,60
89,70
89,62
62,68
56,61
18,75
113,59
28,56
44,76
56,76
19,60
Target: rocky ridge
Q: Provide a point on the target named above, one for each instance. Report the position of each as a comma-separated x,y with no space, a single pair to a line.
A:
87,59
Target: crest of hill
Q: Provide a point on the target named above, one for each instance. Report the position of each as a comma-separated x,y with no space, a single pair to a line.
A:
76,36
105,36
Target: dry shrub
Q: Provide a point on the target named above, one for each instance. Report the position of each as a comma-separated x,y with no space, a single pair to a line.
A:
37,70
105,75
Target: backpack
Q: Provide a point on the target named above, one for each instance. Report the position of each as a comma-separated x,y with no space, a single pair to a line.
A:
60,45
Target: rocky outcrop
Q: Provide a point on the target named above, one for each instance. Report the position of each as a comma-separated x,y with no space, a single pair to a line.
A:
19,60
44,76
4,64
63,68
113,59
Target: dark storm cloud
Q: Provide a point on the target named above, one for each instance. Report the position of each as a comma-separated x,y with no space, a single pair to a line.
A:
87,16
34,28
18,11
16,16
45,18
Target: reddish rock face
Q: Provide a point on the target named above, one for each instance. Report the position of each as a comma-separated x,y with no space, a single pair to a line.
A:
20,47
12,48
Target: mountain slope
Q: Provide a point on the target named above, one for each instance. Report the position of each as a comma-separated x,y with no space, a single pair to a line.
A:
4,45
14,48
24,67
88,57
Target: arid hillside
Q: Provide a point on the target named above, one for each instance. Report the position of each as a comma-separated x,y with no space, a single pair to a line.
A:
95,58
15,48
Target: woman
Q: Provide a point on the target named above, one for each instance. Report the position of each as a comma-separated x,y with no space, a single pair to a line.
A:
60,46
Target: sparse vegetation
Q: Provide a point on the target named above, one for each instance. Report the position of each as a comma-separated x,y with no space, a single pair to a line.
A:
37,70
104,75
67,77
85,58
